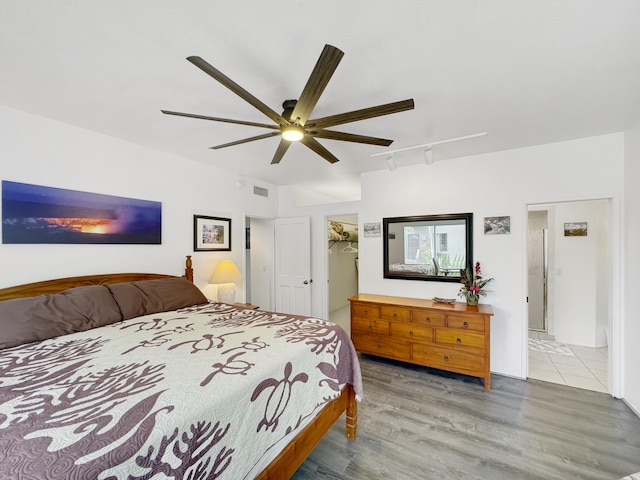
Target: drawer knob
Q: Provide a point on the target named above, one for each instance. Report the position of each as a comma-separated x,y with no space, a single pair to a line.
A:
428,319
370,327
411,333
446,358
395,315
458,340
379,345
465,324
366,312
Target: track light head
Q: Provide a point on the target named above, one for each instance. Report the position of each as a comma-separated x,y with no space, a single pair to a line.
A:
428,156
391,163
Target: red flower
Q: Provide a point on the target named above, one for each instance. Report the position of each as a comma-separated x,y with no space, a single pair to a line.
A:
472,282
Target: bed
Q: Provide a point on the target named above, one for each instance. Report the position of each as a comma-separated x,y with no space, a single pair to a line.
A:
139,376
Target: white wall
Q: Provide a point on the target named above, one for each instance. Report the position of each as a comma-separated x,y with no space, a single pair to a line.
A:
631,328
581,273
40,151
495,184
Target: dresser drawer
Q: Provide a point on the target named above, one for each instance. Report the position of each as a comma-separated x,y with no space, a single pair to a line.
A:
453,359
391,312
370,326
365,310
457,337
382,346
408,331
432,318
466,322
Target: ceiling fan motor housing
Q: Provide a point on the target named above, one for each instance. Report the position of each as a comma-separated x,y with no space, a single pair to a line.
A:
288,106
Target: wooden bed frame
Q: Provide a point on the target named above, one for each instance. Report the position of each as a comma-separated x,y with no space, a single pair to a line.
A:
296,451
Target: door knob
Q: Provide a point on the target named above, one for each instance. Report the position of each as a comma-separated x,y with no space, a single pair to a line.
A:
307,282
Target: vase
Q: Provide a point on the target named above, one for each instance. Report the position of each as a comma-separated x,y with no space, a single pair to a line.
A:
472,301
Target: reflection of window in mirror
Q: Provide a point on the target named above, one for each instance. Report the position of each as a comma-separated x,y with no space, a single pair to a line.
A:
442,242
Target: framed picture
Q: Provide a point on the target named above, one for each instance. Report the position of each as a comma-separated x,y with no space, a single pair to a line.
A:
40,214
211,233
497,225
372,229
575,229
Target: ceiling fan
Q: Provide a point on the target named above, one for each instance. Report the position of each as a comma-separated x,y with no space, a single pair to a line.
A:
295,124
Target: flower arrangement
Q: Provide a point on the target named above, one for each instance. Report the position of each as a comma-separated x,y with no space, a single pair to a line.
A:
472,284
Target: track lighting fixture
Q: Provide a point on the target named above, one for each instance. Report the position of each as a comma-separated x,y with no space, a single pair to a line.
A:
428,156
427,147
391,163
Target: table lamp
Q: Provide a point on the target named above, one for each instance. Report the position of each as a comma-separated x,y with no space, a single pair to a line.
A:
226,275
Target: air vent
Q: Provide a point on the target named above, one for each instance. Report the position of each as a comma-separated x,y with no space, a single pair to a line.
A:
263,192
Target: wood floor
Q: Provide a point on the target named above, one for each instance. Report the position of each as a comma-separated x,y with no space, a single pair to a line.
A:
417,424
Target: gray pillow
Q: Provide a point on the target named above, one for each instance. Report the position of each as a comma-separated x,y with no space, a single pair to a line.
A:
145,297
26,320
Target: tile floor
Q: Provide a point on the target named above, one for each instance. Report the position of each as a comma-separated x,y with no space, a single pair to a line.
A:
587,369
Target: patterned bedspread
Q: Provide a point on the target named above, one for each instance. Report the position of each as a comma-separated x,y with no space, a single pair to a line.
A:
197,393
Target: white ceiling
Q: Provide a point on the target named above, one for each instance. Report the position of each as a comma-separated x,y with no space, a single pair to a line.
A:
526,72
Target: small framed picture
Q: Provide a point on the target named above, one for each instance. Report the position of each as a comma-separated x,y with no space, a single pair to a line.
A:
575,229
211,233
372,229
497,225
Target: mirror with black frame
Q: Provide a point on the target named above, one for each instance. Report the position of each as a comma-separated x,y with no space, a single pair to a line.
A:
428,247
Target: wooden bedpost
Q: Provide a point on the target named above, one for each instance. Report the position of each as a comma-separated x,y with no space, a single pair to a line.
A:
188,271
352,414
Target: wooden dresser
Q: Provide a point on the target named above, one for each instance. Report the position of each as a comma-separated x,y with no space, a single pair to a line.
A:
454,337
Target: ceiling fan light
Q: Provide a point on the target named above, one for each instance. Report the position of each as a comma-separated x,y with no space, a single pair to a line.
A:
293,133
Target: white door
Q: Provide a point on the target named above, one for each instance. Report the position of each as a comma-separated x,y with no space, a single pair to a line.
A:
293,265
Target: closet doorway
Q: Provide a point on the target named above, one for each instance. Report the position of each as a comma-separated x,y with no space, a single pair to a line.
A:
342,266
570,293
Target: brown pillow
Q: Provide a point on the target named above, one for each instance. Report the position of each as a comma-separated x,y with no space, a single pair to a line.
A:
26,320
145,297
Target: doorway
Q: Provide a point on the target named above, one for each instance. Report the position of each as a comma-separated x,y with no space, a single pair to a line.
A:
537,256
259,247
569,293
342,266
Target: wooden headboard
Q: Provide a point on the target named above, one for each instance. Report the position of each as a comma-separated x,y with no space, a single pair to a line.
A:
60,284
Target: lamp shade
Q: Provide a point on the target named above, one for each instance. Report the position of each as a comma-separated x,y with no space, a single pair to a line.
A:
225,276
226,272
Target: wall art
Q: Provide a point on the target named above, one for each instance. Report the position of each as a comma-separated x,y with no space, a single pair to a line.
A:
211,233
575,229
497,225
39,214
372,229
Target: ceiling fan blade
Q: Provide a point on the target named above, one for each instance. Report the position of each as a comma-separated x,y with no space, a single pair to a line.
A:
237,89
362,114
351,137
283,146
313,144
216,119
246,140
318,80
